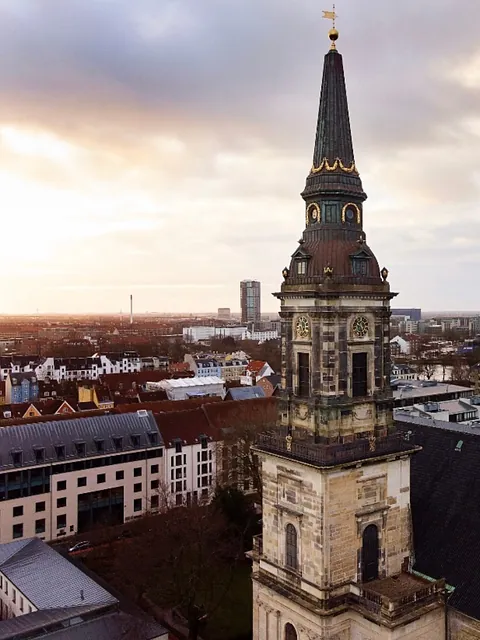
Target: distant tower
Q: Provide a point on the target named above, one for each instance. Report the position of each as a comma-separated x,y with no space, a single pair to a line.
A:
131,309
250,300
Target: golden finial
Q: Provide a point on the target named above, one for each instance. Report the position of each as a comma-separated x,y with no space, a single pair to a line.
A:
333,33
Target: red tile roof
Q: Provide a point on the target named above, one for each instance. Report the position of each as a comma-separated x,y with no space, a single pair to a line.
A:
255,366
261,412
165,406
188,426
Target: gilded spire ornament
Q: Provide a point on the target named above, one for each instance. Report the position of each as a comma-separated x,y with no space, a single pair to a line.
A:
333,33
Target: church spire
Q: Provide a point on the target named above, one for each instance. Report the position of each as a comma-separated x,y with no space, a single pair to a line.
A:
333,170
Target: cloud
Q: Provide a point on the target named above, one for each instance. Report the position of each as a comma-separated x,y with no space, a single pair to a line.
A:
146,142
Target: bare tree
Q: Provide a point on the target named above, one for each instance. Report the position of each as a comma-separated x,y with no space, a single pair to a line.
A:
460,370
184,561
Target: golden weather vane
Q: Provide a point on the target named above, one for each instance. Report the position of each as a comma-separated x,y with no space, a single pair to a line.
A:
333,33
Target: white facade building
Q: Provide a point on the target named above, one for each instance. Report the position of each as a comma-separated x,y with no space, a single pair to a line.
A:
58,477
402,343
262,336
198,334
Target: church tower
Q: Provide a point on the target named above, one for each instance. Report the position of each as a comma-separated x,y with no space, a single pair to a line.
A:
335,558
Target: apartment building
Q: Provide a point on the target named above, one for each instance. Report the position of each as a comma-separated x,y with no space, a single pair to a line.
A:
60,369
190,455
57,478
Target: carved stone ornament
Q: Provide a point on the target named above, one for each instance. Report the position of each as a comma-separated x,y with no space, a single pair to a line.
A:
302,412
302,327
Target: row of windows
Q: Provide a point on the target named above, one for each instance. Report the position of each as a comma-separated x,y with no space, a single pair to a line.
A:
4,587
81,447
40,527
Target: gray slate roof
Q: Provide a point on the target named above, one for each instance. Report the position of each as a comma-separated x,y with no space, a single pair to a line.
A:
245,393
27,437
49,580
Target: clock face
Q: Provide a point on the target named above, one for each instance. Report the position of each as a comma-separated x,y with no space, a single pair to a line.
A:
302,327
360,327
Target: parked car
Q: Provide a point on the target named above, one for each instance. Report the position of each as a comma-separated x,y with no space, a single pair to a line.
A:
80,546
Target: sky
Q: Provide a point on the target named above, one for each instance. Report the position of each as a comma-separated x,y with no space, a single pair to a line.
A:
158,147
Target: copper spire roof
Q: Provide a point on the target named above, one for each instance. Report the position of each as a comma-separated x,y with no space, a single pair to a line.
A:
333,169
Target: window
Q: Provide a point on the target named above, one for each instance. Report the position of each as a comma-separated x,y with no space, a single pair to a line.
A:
301,268
6,588
135,440
61,485
154,468
137,487
82,482
303,374
40,526
290,633
119,475
359,374
178,460
100,446
39,506
178,500
178,486
60,451
80,448
117,443
137,472
153,437
137,504
178,448
291,551
21,604
101,478
17,531
61,502
204,441
154,484
154,502
17,457
39,454
360,266
14,596
61,521
17,511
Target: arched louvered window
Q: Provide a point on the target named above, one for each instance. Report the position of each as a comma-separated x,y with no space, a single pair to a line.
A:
291,547
290,633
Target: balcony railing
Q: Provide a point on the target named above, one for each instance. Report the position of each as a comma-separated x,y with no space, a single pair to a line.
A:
394,607
257,549
302,447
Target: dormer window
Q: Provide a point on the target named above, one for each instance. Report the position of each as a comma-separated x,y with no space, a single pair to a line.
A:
360,266
301,267
99,445
17,458
153,437
135,440
204,442
39,454
80,448
117,443
60,451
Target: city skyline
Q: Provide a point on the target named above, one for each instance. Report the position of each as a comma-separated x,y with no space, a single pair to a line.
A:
137,159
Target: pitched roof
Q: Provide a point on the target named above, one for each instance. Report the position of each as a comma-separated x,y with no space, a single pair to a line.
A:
187,426
26,438
260,412
244,393
445,494
48,579
255,366
164,406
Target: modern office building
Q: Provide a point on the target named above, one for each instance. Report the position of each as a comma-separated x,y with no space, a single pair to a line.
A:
250,300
